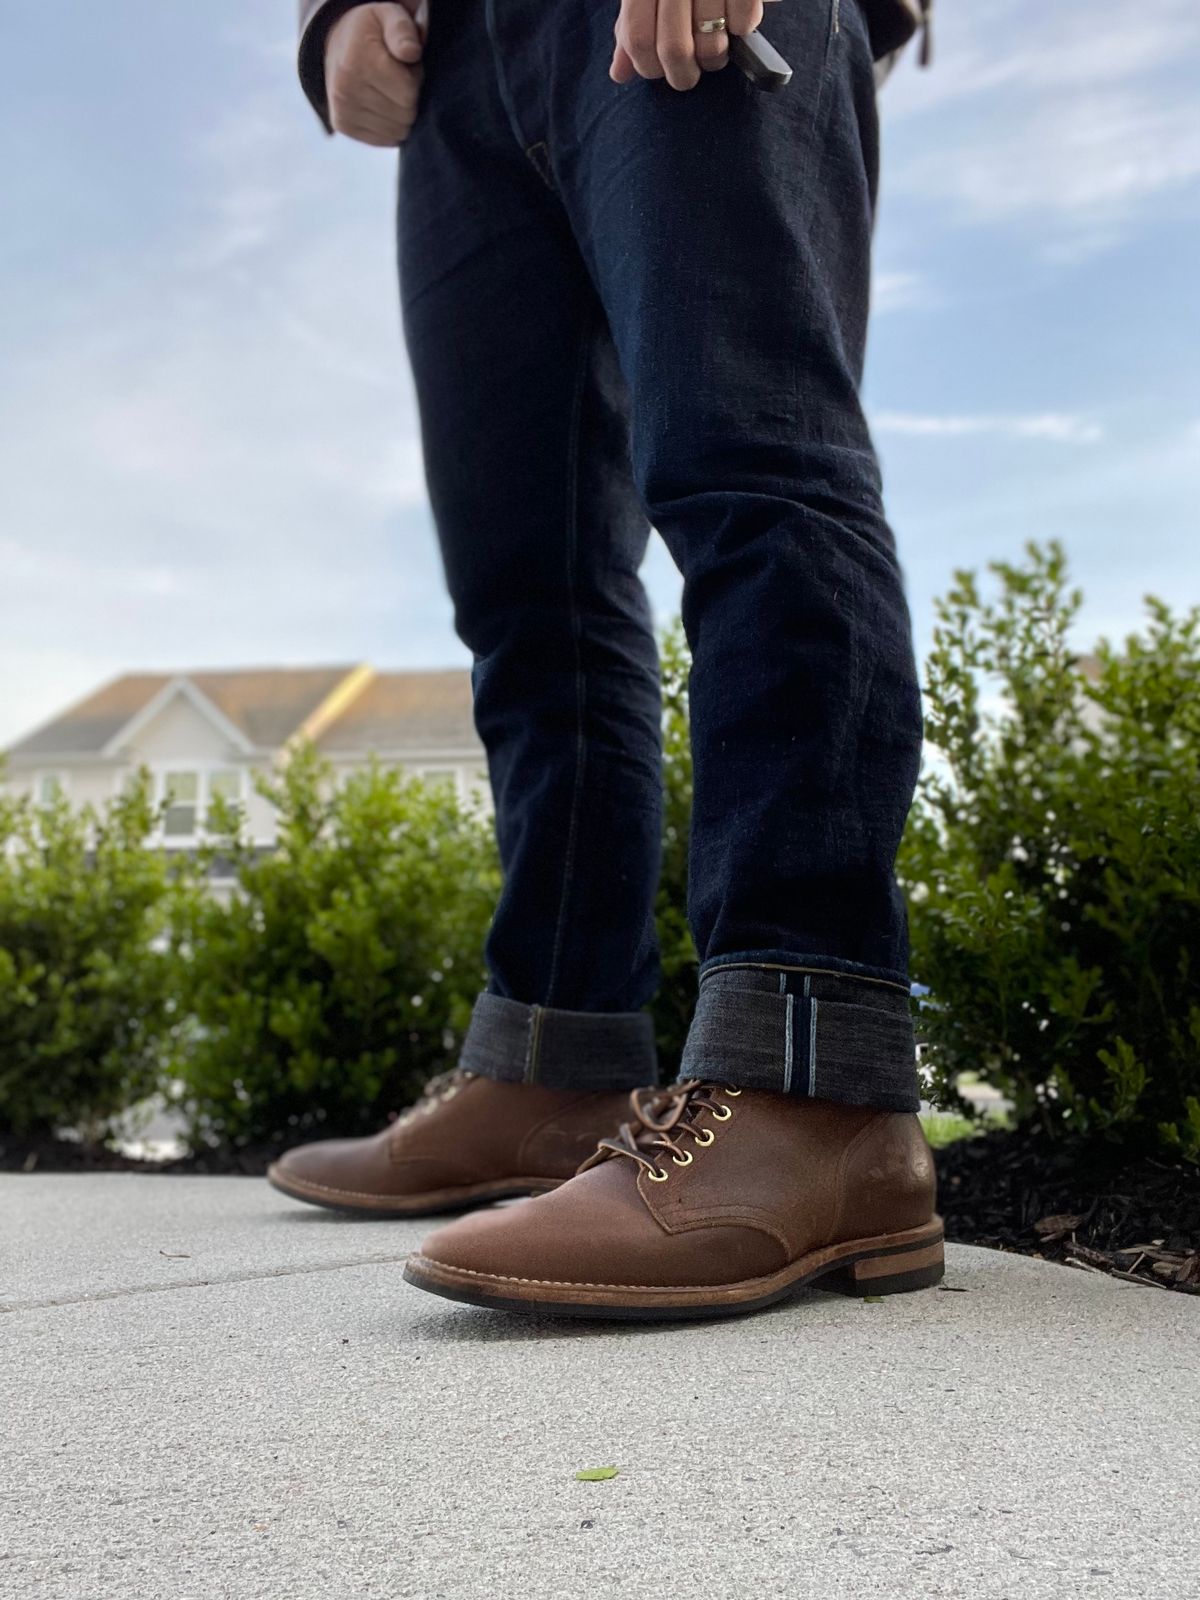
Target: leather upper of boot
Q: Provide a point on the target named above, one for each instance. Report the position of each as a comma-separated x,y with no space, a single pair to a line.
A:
464,1130
709,1185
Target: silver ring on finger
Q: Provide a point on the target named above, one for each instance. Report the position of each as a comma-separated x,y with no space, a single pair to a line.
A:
712,25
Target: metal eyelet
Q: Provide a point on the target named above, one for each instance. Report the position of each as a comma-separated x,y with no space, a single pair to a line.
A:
705,1137
687,1160
722,1113
655,1176
732,1093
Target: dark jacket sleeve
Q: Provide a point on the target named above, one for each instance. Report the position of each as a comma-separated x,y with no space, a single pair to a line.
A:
892,23
317,17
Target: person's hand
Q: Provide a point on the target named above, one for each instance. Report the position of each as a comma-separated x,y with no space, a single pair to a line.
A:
373,71
661,38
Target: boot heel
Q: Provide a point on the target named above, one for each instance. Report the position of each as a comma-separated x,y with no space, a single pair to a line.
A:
889,1272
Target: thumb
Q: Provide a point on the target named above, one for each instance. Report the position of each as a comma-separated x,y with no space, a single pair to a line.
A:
400,34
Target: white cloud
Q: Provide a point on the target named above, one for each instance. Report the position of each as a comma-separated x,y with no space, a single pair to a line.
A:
1054,427
1014,48
1075,120
898,291
1086,162
217,457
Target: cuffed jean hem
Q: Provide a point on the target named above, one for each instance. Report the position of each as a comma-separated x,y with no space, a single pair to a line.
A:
583,1050
812,1032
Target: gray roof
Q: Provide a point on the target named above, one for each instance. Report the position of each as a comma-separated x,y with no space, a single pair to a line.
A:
398,710
270,705
84,729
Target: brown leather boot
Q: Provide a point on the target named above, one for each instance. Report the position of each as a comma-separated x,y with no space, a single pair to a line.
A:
713,1200
466,1141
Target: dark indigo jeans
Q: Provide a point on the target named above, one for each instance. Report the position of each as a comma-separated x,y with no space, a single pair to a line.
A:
626,305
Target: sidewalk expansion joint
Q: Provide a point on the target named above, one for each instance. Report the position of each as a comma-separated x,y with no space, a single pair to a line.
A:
216,1281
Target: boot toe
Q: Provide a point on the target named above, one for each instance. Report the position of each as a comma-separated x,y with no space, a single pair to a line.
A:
321,1162
554,1242
351,1173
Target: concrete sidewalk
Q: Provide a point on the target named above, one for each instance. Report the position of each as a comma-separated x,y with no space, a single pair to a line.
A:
211,1392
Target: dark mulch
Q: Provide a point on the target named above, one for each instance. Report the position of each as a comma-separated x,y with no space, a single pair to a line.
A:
66,1155
1088,1207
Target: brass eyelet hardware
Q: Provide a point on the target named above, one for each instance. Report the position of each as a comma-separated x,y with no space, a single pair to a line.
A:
685,1161
722,1113
732,1093
655,1176
705,1137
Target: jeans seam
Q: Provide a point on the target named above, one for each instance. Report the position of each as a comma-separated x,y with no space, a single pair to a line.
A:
832,39
812,1046
533,1041
822,972
576,638
539,156
787,1044
489,18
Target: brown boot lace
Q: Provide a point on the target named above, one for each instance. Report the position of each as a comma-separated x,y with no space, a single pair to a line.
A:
661,1117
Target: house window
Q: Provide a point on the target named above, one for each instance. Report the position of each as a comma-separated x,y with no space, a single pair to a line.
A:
181,793
224,783
49,788
440,778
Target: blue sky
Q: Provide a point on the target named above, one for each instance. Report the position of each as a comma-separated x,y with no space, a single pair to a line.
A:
208,449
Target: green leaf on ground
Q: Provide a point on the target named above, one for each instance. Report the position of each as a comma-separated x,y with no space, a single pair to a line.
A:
596,1474
872,1299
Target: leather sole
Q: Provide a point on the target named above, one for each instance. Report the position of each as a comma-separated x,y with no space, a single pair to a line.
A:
888,1264
431,1204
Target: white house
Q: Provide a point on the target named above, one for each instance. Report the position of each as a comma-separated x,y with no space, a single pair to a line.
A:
203,734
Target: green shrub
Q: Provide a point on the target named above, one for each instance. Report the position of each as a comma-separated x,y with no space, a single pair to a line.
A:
341,972
86,1006
1053,862
676,997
